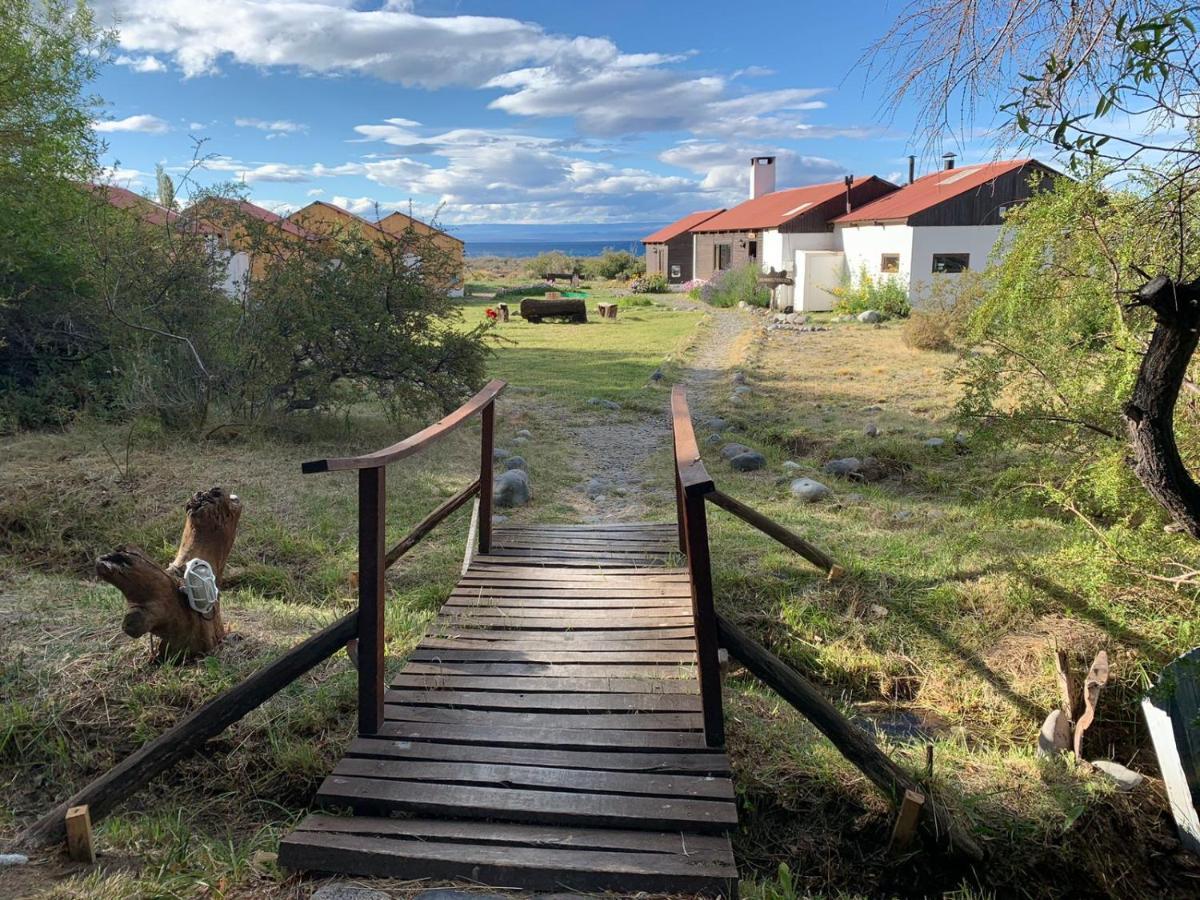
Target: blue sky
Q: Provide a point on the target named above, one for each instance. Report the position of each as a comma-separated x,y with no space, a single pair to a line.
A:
569,111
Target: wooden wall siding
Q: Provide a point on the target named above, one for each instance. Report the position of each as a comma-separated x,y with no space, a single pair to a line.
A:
982,205
816,218
656,259
675,252
739,255
398,222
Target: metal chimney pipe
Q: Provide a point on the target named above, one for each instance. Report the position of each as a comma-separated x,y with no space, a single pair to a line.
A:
912,168
948,159
849,181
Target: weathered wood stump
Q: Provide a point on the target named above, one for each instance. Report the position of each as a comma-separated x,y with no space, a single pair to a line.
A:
607,310
157,602
534,309
502,311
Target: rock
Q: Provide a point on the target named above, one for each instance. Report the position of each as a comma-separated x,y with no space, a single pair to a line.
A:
960,439
845,467
13,859
515,462
737,399
512,489
852,497
1126,779
934,442
743,389
739,378
499,520
792,466
1056,734
903,515
877,611
871,429
606,404
499,453
519,441
716,424
742,304
714,439
339,890
809,491
657,375
729,451
595,487
748,462
870,316
872,409
524,433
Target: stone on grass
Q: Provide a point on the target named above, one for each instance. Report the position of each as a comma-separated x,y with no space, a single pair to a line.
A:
716,424
870,316
13,859
340,890
743,389
595,487
751,461
1055,736
729,451
524,433
1126,779
499,453
519,441
871,429
606,404
792,466
903,515
499,520
845,467
934,442
657,375
960,439
714,439
739,378
512,489
808,490
515,462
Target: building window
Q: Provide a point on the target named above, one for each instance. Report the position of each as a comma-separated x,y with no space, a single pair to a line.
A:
676,272
947,263
752,250
889,263
722,256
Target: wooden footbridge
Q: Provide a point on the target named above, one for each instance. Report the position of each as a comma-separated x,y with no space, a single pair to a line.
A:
560,727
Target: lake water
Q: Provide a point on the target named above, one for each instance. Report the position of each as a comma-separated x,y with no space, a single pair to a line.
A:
522,249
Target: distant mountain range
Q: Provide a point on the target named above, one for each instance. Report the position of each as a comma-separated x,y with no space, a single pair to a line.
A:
620,233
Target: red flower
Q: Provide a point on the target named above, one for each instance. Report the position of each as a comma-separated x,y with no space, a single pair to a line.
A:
491,313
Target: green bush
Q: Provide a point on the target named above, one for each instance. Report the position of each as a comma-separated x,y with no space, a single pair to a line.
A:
554,263
883,294
614,265
734,286
655,283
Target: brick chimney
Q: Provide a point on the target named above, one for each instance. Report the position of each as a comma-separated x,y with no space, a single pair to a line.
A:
762,176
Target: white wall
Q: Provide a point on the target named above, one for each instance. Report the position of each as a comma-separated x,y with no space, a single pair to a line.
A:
864,246
817,273
237,273
778,249
976,240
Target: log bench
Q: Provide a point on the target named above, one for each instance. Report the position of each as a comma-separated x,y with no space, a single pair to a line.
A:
572,309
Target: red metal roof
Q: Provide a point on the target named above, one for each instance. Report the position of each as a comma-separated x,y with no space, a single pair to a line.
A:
678,227
930,190
774,209
265,215
145,208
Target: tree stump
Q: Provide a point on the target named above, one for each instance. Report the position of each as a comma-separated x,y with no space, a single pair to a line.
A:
157,602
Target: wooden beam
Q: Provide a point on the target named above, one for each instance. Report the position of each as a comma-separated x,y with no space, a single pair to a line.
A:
141,767
906,820
851,741
430,522
487,462
771,528
372,521
79,834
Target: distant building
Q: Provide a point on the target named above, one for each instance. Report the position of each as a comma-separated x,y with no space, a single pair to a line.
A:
227,218
669,250
398,223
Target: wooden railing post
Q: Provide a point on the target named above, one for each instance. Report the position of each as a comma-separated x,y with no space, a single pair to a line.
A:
371,566
679,512
487,444
703,611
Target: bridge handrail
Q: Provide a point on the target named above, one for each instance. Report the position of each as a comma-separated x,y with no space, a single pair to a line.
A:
373,556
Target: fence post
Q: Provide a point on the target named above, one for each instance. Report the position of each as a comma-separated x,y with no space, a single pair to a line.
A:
487,443
700,571
679,510
371,566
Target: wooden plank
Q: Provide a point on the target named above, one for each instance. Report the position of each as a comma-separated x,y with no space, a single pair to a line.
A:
696,536
700,763
533,590
546,701
573,625
601,544
565,686
571,670
643,657
905,828
605,527
771,528
597,564
554,738
520,835
430,522
569,603
530,868
693,477
376,795
565,636
488,568
625,721
563,780
78,824
574,644
576,614
416,442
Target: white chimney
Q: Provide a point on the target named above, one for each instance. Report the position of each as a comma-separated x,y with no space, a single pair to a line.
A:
762,176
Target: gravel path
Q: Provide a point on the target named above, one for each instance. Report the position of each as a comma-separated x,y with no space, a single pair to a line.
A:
614,458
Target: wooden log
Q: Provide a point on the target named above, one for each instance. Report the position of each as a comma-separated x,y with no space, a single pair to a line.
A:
851,741
156,602
534,309
139,768
78,823
771,528
502,311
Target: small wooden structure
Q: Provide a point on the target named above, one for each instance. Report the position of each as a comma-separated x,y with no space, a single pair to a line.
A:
607,310
535,309
572,277
502,311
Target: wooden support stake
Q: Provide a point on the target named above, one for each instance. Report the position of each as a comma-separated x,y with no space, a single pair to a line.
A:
907,819
851,741
1067,687
372,516
487,448
771,528
78,823
707,639
139,768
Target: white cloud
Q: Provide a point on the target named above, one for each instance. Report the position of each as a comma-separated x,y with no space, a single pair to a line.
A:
314,192
196,126
141,63
725,166
277,127
367,207
144,124
123,176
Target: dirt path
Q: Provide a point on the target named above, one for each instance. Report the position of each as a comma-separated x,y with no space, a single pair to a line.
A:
615,458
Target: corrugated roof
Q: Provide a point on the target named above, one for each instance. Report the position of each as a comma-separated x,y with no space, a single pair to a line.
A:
409,218
145,208
266,215
774,209
678,227
930,190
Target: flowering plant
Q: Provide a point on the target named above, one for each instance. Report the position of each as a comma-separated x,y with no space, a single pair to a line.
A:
491,313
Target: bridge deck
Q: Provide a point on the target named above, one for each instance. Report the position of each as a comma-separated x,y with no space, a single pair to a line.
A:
546,734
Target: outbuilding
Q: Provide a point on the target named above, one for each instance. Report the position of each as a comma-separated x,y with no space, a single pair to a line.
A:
669,250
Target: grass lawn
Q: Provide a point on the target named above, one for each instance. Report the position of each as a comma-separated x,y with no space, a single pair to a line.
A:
942,632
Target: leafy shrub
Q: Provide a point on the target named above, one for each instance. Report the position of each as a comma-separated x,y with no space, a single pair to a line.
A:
615,265
941,320
654,283
524,290
734,286
633,301
554,263
885,295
